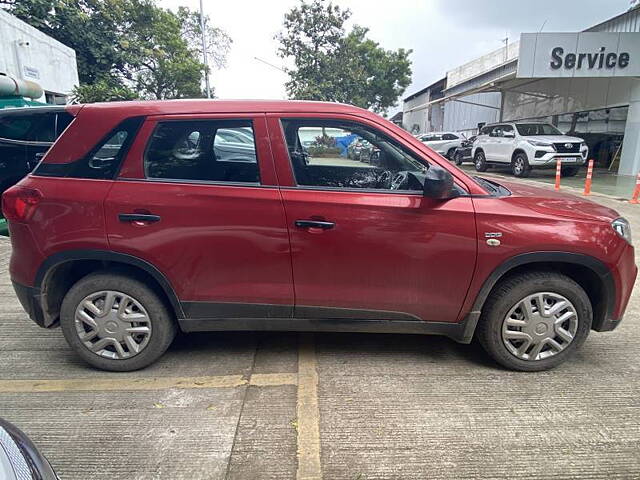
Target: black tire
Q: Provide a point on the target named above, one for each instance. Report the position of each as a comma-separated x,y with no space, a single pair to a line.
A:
507,294
163,325
458,158
520,165
480,161
569,171
450,153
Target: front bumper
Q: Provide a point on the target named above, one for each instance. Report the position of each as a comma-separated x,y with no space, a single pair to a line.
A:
29,298
622,279
549,160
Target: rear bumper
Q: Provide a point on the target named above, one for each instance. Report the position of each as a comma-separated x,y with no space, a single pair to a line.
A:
30,299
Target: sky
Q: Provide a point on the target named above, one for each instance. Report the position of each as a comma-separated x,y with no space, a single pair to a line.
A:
443,34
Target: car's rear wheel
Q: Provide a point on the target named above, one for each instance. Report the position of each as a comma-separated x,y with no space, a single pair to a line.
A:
569,171
520,166
480,162
535,321
115,322
458,158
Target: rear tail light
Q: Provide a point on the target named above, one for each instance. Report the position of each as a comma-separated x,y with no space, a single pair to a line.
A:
19,203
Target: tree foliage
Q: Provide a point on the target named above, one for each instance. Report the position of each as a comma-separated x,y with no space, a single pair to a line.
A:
128,48
333,65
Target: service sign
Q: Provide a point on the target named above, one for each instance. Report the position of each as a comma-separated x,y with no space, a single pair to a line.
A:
584,54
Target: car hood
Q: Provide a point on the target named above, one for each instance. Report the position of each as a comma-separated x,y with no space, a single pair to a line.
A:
545,201
554,138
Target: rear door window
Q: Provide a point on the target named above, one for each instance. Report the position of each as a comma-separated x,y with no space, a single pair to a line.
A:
103,161
203,151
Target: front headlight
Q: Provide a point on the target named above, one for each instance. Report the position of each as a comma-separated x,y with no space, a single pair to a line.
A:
622,228
535,143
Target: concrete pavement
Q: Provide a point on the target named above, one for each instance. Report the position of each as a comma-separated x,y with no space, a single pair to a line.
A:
336,406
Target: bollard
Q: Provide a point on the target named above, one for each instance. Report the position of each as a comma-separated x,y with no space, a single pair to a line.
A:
558,173
587,183
636,191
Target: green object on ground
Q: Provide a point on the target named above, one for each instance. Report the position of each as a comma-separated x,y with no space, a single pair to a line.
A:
4,227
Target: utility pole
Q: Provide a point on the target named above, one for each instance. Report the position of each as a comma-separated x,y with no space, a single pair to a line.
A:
204,52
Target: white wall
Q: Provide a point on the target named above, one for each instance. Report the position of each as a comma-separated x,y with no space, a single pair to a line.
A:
29,54
415,117
464,117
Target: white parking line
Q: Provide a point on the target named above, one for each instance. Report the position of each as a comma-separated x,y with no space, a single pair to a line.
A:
308,413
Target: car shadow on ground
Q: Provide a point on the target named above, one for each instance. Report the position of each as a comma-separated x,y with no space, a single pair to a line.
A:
425,349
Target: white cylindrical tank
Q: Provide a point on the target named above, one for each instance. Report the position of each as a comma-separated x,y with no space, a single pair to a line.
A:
10,86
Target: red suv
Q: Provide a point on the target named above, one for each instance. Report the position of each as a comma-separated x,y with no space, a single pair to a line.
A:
146,218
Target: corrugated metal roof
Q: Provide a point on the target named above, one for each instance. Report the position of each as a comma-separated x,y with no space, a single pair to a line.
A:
625,22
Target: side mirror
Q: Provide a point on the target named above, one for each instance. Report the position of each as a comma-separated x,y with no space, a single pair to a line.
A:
509,135
438,184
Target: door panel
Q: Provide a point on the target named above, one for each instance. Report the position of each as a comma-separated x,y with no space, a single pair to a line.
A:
402,254
224,247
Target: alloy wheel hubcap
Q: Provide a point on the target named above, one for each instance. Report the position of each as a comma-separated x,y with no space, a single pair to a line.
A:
539,326
112,324
519,165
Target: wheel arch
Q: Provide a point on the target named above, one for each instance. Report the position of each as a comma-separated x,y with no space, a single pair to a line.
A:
60,271
589,272
517,151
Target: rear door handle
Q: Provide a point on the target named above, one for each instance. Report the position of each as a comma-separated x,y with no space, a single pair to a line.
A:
138,217
314,224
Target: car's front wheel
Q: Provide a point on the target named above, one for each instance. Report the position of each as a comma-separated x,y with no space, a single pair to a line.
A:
535,321
458,158
115,322
480,162
520,166
450,153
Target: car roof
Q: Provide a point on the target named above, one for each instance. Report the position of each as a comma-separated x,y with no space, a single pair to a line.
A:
162,107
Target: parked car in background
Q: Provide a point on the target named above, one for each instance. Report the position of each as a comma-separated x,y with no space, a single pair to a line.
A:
20,458
96,237
25,136
524,146
463,152
445,143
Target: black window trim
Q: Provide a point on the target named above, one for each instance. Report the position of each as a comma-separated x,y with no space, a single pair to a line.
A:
351,189
146,178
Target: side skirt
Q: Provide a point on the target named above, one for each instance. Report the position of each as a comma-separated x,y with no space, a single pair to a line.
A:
459,332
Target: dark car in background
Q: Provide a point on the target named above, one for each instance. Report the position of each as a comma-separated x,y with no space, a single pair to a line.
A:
20,458
463,152
25,136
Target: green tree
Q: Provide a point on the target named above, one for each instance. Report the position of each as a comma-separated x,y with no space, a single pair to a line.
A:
127,48
332,65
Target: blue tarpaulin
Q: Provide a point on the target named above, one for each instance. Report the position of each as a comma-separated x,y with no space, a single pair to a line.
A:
344,142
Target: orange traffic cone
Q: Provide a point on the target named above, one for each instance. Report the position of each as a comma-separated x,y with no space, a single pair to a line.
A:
558,172
636,191
587,183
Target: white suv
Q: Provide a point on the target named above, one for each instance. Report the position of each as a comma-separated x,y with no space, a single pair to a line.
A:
445,143
524,146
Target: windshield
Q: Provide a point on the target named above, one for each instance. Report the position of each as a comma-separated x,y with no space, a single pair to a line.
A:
532,129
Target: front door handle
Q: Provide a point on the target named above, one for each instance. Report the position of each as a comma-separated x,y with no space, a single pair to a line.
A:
138,217
314,224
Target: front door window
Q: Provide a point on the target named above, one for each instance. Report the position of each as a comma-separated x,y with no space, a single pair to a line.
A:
345,155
